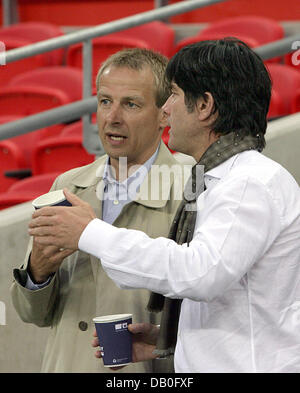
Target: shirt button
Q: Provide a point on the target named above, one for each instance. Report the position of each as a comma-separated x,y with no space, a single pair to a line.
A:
83,326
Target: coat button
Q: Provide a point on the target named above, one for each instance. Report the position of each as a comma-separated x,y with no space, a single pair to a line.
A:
83,326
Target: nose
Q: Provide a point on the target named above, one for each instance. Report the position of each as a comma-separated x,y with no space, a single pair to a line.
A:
114,114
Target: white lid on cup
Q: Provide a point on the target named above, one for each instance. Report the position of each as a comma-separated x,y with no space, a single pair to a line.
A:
111,318
49,199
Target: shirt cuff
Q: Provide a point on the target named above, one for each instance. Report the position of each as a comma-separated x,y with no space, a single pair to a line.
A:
90,238
33,287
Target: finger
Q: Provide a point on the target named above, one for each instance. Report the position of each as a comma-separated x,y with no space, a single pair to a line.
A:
41,231
98,354
139,328
64,253
47,241
48,251
55,254
42,221
73,199
44,211
95,343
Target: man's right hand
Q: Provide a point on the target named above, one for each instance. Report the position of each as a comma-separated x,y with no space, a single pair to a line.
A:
144,337
44,261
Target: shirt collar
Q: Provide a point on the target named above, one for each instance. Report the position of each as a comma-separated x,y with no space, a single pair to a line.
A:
221,170
108,173
93,173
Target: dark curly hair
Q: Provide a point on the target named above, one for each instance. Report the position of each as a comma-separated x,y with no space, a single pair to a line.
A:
235,76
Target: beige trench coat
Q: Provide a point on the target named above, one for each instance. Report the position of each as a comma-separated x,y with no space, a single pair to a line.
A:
81,290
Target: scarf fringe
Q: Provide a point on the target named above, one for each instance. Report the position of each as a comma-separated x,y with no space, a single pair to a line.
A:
156,302
164,353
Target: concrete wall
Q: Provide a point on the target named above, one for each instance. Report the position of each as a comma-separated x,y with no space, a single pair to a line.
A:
283,143
22,345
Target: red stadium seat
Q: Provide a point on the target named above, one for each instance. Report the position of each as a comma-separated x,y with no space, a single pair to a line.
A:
10,199
59,155
103,47
296,102
11,158
27,190
165,137
23,34
24,142
31,32
37,185
263,30
10,70
155,35
28,100
277,107
286,82
27,142
67,79
40,90
75,129
158,35
251,42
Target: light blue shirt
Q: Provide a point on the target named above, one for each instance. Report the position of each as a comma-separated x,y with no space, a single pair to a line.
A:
118,194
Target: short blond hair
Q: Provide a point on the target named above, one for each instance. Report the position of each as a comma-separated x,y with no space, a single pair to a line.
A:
137,59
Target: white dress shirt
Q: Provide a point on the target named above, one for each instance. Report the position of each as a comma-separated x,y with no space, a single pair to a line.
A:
239,278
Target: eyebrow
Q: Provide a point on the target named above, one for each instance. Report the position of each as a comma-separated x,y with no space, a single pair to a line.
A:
99,93
126,98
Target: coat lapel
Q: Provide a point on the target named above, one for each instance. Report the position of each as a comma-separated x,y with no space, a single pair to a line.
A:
89,186
156,187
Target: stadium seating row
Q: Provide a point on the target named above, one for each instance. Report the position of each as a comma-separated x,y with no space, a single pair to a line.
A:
27,190
55,78
159,36
44,155
50,157
46,88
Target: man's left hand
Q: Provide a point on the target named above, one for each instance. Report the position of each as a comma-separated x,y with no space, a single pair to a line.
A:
59,225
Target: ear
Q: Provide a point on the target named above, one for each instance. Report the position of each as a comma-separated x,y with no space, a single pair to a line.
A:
163,119
205,106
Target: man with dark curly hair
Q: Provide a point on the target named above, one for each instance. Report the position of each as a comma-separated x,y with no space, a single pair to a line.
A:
230,268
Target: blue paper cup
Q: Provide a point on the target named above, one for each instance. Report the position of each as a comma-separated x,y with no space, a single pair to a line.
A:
52,198
115,339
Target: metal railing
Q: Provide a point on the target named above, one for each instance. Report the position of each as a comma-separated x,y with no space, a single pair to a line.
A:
10,12
84,108
90,137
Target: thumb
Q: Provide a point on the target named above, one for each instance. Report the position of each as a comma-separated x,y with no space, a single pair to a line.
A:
72,198
136,328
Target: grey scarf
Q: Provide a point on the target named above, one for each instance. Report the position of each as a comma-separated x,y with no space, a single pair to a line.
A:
183,226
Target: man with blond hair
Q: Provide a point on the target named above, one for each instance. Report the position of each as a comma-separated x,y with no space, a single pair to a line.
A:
64,290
